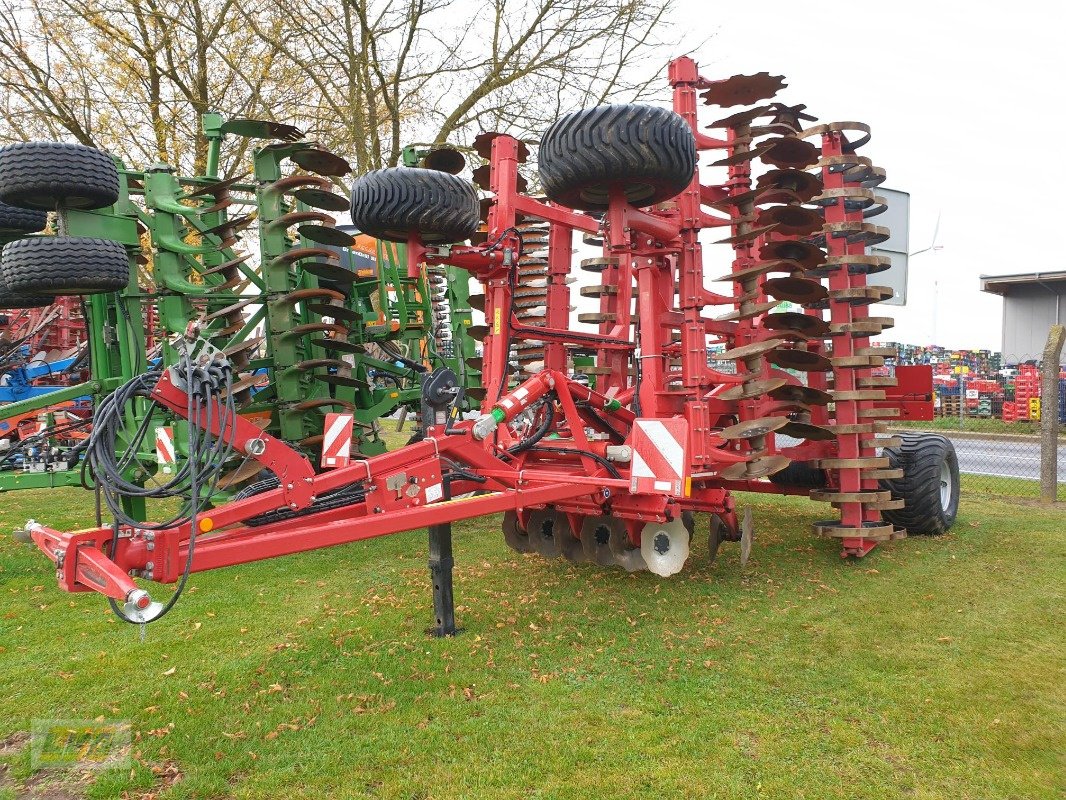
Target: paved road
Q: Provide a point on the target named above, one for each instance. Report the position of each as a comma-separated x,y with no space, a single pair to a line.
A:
1002,458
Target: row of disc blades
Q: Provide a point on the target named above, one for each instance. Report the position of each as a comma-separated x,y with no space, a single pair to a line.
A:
310,241
784,251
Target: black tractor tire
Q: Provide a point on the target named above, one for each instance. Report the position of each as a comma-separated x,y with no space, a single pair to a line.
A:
929,486
648,152
25,300
52,175
21,220
64,265
801,475
393,203
10,300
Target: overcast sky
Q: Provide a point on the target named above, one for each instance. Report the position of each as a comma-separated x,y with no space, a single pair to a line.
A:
965,100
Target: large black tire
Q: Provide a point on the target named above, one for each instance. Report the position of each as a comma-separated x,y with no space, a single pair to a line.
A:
10,300
21,220
52,175
929,486
647,151
393,203
802,475
64,265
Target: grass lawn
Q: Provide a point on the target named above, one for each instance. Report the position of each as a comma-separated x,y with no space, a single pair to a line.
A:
931,669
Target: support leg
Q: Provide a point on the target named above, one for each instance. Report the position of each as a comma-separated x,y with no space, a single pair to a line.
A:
440,572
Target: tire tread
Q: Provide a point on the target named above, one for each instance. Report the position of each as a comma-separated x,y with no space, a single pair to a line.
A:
647,150
64,265
390,203
920,457
50,175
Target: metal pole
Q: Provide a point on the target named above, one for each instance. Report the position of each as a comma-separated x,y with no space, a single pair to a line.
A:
1049,414
962,398
440,572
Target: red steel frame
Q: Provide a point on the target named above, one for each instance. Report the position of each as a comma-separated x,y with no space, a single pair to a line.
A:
655,261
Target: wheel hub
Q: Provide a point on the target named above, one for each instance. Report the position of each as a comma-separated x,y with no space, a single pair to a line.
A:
945,485
662,544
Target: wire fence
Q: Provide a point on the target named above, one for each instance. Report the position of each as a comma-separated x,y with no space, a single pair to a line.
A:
990,407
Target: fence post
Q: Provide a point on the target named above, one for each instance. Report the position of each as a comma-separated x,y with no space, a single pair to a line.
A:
1049,414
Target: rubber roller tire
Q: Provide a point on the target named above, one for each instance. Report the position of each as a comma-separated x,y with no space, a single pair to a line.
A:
393,203
64,265
647,151
21,220
10,300
802,475
929,486
51,175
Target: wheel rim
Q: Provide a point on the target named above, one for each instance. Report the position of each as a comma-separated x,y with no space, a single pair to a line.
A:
945,486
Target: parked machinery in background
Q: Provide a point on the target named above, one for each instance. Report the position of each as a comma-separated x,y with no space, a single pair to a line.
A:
314,318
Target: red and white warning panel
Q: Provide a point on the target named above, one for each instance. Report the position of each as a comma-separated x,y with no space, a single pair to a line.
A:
337,440
660,457
164,448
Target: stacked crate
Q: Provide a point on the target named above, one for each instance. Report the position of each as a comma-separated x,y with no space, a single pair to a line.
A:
1027,392
987,391
1010,411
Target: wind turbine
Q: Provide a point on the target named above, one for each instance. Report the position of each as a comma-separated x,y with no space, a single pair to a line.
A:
933,247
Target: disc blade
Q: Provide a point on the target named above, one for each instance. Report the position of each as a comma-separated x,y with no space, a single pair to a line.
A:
262,129
805,430
665,547
249,469
321,162
743,90
750,389
325,234
715,537
747,534
321,199
795,290
801,394
800,360
339,345
329,272
753,428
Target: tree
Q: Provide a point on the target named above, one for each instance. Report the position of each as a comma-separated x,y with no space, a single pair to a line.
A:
363,77
132,76
387,71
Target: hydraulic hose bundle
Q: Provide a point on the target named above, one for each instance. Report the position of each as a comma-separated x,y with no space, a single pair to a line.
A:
114,445
113,448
